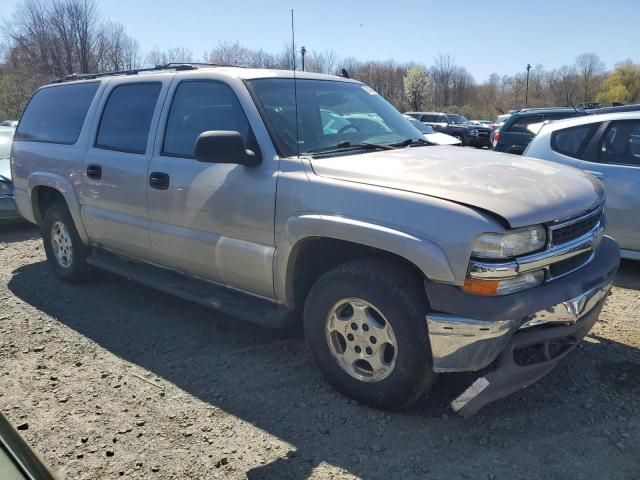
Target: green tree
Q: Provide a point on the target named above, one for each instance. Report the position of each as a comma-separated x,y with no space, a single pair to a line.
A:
623,85
417,87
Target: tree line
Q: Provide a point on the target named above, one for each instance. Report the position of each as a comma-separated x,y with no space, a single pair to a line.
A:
48,39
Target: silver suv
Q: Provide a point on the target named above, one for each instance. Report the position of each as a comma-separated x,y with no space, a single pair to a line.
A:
238,189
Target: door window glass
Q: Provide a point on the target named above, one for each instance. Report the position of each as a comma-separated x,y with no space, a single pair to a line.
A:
126,118
202,106
621,144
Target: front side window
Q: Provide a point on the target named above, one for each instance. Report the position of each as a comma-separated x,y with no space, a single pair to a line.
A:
330,114
621,144
201,106
572,141
56,114
126,118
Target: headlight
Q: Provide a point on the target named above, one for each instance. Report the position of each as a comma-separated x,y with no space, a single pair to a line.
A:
473,132
504,286
510,244
6,188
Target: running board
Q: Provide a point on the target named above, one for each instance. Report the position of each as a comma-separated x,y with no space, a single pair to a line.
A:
226,300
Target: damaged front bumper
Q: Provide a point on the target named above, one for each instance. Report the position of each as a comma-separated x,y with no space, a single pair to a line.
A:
540,328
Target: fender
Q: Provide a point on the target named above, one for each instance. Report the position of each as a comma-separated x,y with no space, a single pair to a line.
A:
423,253
62,185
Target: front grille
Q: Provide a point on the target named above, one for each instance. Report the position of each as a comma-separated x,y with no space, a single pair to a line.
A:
571,231
570,264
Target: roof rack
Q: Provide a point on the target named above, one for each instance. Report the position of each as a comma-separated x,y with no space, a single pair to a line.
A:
178,67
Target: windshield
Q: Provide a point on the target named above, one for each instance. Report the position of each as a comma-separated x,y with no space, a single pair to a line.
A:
420,126
5,143
332,115
457,119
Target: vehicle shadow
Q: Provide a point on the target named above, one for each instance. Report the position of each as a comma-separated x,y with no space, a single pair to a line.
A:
265,377
18,232
628,275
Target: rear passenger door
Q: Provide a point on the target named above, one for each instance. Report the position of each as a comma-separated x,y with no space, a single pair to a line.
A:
114,182
614,157
214,221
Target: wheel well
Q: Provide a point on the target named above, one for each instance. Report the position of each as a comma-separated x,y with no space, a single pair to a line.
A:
42,198
315,256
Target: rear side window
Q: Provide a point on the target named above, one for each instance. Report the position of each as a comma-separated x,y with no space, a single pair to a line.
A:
572,141
520,125
201,106
428,118
56,114
126,118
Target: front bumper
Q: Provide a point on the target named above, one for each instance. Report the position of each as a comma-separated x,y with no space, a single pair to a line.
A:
492,332
479,141
8,210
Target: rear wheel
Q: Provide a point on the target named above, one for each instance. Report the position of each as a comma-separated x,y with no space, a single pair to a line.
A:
65,251
366,330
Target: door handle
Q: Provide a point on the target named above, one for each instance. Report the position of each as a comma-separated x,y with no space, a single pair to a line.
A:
94,171
159,180
596,174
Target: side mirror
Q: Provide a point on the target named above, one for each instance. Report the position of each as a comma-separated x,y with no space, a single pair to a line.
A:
224,146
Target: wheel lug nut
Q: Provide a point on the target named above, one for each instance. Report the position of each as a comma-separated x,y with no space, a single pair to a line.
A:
373,340
368,350
358,350
350,337
365,327
354,326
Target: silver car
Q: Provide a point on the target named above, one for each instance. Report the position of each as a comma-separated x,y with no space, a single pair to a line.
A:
309,198
608,147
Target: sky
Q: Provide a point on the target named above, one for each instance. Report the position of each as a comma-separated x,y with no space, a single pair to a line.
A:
483,36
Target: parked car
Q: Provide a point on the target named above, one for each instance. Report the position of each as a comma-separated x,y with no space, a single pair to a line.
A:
520,128
433,137
8,209
456,126
495,127
402,260
9,123
608,147
616,109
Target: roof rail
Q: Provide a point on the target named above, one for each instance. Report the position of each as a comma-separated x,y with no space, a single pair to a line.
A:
163,66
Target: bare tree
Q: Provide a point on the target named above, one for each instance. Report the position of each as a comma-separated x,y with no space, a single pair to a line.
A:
590,70
563,85
442,74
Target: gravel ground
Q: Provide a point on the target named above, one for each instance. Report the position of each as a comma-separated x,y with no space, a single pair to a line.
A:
113,379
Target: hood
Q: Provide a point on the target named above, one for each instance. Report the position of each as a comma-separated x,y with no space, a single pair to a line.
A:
438,138
522,191
5,168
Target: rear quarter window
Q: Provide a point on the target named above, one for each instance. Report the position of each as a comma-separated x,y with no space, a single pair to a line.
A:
56,114
572,141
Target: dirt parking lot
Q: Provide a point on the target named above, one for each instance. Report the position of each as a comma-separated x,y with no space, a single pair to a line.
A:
111,379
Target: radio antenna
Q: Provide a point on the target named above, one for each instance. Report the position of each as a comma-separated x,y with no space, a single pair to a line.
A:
295,83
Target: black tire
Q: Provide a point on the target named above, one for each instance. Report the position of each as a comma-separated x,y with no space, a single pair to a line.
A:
398,295
77,268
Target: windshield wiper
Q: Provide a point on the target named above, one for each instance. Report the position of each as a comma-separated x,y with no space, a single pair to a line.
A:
347,144
410,141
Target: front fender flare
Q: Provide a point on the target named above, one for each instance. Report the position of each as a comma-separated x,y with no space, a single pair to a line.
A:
423,253
62,185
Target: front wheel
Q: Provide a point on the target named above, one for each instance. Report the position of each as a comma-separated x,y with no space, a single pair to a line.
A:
65,251
366,330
